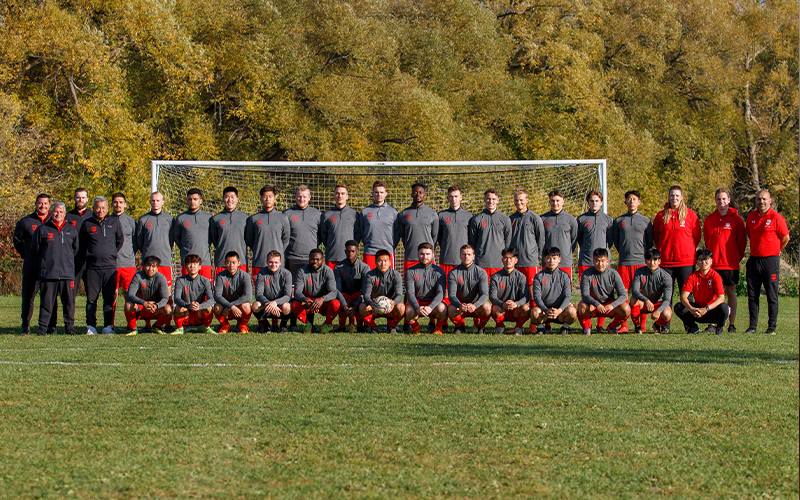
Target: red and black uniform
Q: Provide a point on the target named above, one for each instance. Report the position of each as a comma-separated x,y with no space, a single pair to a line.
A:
100,241
704,290
54,248
76,218
725,235
23,237
763,266
677,241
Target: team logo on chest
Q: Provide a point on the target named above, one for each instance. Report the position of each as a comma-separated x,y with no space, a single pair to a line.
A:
259,222
49,236
483,223
622,223
416,276
186,223
33,227
333,220
94,229
588,223
267,281
769,221
502,286
294,218
377,281
72,284
222,223
544,281
683,223
644,280
144,285
460,279
369,215
186,290
308,280
709,283
408,216
594,282
227,283
547,224
447,220
149,224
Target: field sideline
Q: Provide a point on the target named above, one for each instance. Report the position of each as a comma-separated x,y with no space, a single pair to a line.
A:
371,416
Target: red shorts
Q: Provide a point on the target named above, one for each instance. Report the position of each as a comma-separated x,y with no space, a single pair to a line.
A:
124,277
529,273
596,313
194,318
407,264
329,263
583,269
218,270
253,274
141,313
626,273
567,270
490,271
204,271
351,298
370,260
656,305
167,272
420,302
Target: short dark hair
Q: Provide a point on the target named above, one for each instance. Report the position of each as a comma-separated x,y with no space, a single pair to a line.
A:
551,252
351,243
196,191
267,189
382,252
149,261
703,254
232,253
43,195
491,191
274,253
81,189
419,184
633,192
230,189
192,258
453,188
380,183
510,250
555,192
424,245
594,192
652,254
118,195
315,251
600,252
466,247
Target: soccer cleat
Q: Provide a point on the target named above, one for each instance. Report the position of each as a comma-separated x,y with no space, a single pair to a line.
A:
223,329
587,331
481,331
564,330
518,331
52,331
108,330
325,328
284,329
209,331
41,332
306,327
657,329
177,331
613,331
25,330
750,330
407,328
71,332
638,330
499,330
90,330
432,328
244,329
719,330
131,333
694,330
437,330
547,328
457,330
351,329
415,329
158,330
711,328
392,331
770,331
731,329
601,329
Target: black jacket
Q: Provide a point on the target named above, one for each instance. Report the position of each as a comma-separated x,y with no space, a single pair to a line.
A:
55,251
99,242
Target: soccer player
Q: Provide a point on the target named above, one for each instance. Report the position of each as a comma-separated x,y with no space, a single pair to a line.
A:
315,292
23,239
425,291
384,280
154,236
267,230
560,230
76,218
226,232
304,222
147,297
708,297
273,294
419,224
54,246
508,291
768,235
468,290
379,227
489,234
100,240
552,295
340,224
676,231
191,234
594,231
527,236
349,275
453,231
651,290
602,294
725,235
193,297
126,256
233,291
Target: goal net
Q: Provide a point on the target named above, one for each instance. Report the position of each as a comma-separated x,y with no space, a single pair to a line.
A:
573,177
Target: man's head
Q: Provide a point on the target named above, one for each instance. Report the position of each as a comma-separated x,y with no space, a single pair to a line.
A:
556,199
150,265
267,195
383,260
194,198
763,201
418,193
467,255
379,192
57,212
704,258
192,264
351,250
552,258
81,198
119,203
232,262
302,196
454,197
425,253
652,259
315,259
722,198
274,260
230,197
510,258
43,204
156,202
600,259
594,200
340,195
490,199
521,200
633,200
100,207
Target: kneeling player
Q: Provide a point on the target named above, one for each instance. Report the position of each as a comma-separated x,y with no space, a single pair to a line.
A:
708,297
425,291
508,291
382,281
273,294
315,292
552,293
651,288
233,290
602,294
193,298
468,291
147,297
349,274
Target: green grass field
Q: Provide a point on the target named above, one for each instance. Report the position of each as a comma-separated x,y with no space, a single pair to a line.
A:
379,416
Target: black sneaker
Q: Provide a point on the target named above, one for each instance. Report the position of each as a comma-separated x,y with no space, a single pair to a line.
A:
720,330
481,331
731,329
25,330
407,328
600,329
711,328
431,326
564,330
770,331
548,328
458,330
638,330
694,330
750,330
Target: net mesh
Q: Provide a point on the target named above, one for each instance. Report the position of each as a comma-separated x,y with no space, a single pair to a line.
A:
572,178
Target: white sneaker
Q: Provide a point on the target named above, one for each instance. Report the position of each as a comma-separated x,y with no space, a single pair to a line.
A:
517,331
108,330
90,330
499,330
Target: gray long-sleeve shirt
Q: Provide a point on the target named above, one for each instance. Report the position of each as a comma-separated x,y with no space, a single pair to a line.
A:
265,232
561,231
338,226
632,234
304,234
379,228
594,231
377,284
126,257
655,287
598,288
233,290
467,285
349,279
453,234
417,225
527,236
424,284
552,289
226,232
489,235
144,288
314,284
188,290
154,236
191,235
505,286
275,286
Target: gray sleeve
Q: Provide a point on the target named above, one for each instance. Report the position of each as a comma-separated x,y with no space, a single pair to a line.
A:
537,294
163,289
619,286
259,291
483,289
218,287
330,283
435,230
287,232
539,229
410,295
209,293
176,296
648,238
507,229
249,240
357,232
566,291
366,290
299,286
525,296
136,283
666,295
398,287
287,289
636,288
452,289
472,233
493,292
247,294
437,299
573,229
586,295
396,232
337,276
615,235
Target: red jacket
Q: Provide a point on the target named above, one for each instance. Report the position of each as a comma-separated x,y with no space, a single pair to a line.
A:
725,235
676,240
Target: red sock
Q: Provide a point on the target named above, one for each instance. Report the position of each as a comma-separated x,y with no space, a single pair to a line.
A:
223,321
601,321
643,321
661,321
499,320
163,321
441,324
391,322
459,321
180,321
243,320
207,319
333,310
131,317
586,322
618,321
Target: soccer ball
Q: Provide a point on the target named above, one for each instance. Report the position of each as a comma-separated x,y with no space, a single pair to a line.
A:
382,305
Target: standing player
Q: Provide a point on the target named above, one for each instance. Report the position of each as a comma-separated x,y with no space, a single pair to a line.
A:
594,231
725,235
23,239
154,236
349,275
508,291
267,230
304,222
340,224
379,227
383,281
226,232
315,292
425,291
651,290
708,297
489,233
453,231
552,295
76,218
190,231
468,289
126,256
768,235
560,230
527,236
602,294
193,298
101,239
54,246
233,291
148,296
418,224
273,294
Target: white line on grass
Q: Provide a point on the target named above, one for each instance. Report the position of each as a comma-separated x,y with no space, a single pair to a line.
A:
183,348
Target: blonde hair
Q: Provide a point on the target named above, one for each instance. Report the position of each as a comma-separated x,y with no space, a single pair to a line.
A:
682,208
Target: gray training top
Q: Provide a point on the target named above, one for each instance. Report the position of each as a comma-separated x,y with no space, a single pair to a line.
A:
467,285
154,236
453,234
594,231
561,231
552,289
191,235
226,232
337,227
597,288
417,225
315,284
527,236
126,257
233,290
350,279
508,286
377,284
655,287
275,286
146,288
489,235
304,234
197,289
424,284
379,228
632,234
265,232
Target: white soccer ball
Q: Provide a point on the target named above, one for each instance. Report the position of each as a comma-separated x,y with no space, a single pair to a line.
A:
382,305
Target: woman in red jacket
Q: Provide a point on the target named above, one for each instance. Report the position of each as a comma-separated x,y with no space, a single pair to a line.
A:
724,234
